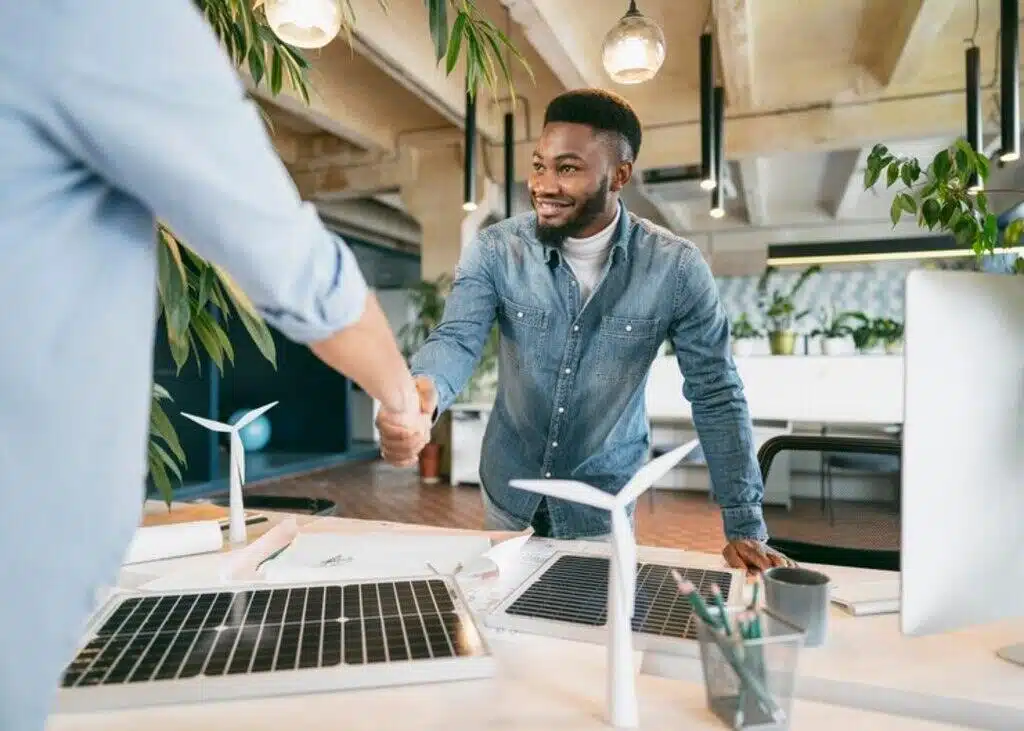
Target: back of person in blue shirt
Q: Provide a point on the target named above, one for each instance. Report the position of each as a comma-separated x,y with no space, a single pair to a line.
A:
113,113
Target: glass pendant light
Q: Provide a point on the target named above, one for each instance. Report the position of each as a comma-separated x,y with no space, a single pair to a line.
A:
634,49
304,23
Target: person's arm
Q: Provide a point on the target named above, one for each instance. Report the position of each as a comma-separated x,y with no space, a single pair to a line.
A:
453,349
700,334
143,95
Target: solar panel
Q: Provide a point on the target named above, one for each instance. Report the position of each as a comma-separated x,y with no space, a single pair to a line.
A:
568,597
182,646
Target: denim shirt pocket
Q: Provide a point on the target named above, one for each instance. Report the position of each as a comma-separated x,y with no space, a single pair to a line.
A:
625,346
524,331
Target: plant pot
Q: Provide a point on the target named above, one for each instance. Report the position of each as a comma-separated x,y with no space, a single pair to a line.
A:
742,347
782,342
430,463
834,346
895,348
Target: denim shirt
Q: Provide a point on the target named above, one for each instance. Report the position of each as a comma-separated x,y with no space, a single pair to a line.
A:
571,375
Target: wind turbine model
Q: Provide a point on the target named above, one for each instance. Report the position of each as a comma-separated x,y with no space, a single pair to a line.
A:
622,703
236,509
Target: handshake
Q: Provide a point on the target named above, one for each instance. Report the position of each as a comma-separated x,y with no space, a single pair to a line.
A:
403,434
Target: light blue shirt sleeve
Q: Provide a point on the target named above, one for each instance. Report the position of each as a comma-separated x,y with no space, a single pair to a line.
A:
173,127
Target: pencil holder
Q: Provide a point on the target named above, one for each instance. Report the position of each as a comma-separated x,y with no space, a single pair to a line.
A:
749,679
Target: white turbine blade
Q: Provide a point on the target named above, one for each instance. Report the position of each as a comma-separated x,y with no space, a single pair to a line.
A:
653,471
625,556
577,492
208,423
238,456
253,415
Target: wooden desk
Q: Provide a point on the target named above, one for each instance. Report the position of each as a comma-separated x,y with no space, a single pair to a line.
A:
547,684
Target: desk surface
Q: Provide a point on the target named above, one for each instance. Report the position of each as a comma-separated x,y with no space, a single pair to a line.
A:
867,676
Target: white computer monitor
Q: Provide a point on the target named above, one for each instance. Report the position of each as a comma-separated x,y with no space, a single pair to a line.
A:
962,542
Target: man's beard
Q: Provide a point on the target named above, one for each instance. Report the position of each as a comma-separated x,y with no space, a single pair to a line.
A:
589,212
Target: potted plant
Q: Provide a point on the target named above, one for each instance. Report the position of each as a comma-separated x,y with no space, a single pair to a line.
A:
780,311
743,336
427,299
834,329
890,332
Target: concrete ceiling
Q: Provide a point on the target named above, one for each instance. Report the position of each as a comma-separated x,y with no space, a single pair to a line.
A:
810,86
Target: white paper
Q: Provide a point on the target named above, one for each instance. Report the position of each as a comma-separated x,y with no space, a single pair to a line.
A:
339,557
158,542
868,597
224,569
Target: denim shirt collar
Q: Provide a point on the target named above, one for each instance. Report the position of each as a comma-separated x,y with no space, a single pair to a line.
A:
620,239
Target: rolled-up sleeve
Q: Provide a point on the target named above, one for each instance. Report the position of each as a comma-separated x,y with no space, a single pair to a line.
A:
145,97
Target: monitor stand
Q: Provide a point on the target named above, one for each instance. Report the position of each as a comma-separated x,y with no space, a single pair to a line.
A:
1013,653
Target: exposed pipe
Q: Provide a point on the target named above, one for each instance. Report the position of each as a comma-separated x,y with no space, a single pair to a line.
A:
718,134
510,161
1009,77
972,59
707,136
469,156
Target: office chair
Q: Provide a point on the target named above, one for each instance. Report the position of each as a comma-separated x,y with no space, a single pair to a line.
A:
871,540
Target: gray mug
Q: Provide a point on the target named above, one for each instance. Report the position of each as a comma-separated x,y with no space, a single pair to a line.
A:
801,597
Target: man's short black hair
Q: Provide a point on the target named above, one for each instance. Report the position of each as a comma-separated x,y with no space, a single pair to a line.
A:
603,110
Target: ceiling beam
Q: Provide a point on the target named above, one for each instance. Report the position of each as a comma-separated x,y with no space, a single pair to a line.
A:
408,58
808,129
350,98
569,54
843,182
340,182
754,177
734,35
914,26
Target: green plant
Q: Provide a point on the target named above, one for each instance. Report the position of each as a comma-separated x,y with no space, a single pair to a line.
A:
779,307
942,196
832,324
887,330
197,298
427,299
743,329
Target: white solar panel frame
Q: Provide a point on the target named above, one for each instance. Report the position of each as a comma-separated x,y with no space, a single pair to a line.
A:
480,665
500,619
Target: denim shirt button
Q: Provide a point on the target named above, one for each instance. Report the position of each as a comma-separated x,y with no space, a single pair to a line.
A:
575,328
547,474
554,444
561,409
568,370
519,314
629,328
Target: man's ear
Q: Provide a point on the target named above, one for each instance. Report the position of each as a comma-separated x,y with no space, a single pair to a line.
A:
621,176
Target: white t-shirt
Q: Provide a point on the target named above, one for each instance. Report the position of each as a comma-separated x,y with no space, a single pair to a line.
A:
587,256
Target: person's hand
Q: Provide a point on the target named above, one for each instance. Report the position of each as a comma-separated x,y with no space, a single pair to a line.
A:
404,434
753,555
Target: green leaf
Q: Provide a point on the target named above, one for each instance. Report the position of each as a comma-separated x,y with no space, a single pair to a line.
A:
276,71
1011,237
172,288
981,202
941,165
981,163
158,473
948,209
437,15
455,45
871,174
893,174
991,231
907,174
930,211
161,426
907,202
895,210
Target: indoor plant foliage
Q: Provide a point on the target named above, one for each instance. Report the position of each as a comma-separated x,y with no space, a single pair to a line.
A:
940,196
834,329
743,335
197,297
780,310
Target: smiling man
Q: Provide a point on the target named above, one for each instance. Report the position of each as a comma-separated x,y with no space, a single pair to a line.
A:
585,293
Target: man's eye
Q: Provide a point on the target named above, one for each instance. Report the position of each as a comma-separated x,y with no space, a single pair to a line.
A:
567,169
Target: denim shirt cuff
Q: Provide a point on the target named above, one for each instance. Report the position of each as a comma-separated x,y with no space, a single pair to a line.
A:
744,521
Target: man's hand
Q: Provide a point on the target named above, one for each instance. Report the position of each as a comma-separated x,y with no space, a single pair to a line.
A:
753,555
403,435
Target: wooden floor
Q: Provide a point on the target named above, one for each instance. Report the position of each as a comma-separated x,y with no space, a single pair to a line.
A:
375,490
